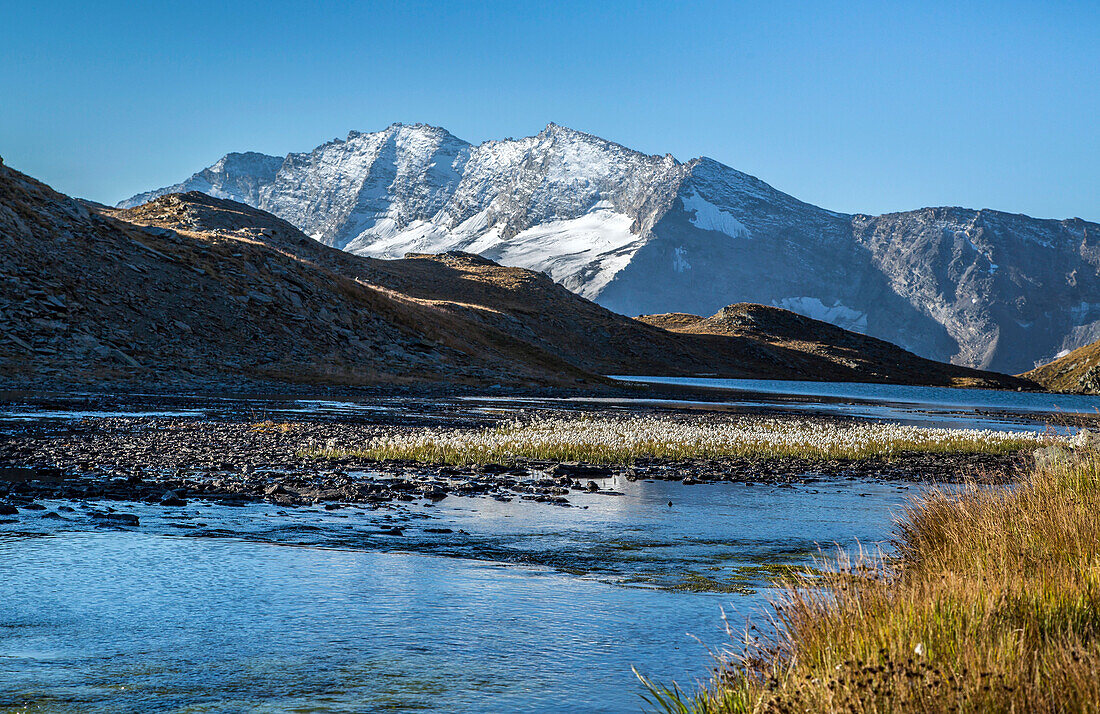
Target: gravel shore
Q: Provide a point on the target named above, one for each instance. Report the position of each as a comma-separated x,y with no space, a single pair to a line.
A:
171,460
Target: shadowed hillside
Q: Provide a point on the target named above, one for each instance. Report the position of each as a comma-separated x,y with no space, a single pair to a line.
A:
857,356
88,297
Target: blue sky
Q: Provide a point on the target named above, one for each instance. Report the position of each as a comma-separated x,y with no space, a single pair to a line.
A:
860,107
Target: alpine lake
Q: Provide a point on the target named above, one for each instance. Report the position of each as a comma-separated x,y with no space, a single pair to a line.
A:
458,604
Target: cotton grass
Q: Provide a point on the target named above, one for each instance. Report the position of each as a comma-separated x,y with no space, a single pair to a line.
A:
623,439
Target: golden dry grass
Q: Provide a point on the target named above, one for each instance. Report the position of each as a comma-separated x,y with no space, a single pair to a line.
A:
1078,371
269,425
992,604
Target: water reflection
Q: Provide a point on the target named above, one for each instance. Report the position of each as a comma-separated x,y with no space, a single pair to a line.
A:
518,608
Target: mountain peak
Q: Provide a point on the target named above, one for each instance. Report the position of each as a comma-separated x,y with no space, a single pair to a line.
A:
400,127
247,161
553,130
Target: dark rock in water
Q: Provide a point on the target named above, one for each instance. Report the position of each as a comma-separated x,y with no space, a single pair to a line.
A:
124,519
171,498
592,487
438,530
66,509
52,516
333,506
8,510
392,531
576,469
34,507
19,474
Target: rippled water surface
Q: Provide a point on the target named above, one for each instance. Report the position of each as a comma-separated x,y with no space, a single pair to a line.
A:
142,622
522,607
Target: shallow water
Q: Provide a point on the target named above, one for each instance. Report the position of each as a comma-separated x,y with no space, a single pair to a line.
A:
523,607
920,406
155,623
929,406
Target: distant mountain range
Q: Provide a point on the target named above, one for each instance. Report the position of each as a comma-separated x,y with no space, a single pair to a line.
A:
192,291
649,234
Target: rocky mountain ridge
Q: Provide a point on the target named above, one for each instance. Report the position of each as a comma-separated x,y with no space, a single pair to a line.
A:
649,234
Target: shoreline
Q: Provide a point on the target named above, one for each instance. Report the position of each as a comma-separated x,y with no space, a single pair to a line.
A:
173,460
177,448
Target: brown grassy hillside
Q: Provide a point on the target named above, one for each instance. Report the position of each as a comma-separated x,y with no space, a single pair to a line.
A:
91,296
1079,371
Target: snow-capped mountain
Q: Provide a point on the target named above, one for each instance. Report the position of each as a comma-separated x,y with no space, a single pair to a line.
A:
648,234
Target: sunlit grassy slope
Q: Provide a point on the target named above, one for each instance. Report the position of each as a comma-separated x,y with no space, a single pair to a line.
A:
992,605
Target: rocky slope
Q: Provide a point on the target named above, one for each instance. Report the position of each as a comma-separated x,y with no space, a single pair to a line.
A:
647,234
191,289
1078,371
239,177
871,358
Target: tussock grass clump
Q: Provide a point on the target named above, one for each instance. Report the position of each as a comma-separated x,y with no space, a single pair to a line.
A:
992,603
269,425
622,440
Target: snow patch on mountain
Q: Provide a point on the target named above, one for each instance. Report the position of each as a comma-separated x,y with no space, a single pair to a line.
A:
596,245
712,218
583,253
